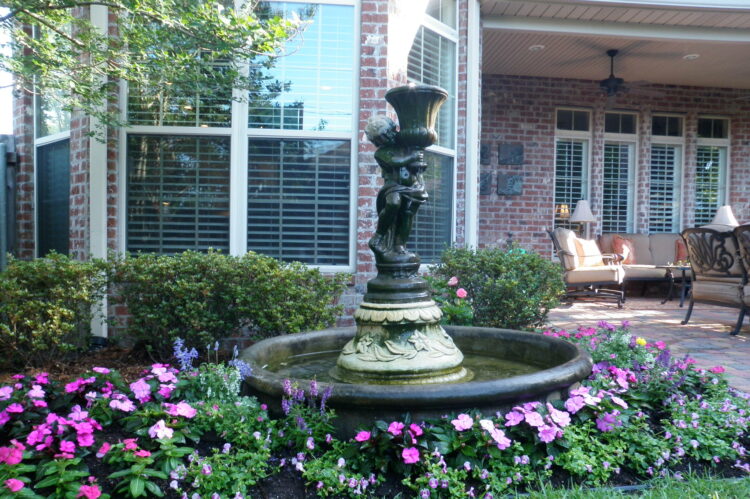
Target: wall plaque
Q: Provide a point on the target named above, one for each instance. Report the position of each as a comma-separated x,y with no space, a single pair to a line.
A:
510,154
509,185
485,184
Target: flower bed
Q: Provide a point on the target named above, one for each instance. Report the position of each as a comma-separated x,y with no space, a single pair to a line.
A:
188,432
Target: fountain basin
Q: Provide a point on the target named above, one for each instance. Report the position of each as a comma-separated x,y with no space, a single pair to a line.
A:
557,364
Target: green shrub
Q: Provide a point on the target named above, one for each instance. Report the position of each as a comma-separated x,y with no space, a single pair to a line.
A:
46,308
203,297
507,288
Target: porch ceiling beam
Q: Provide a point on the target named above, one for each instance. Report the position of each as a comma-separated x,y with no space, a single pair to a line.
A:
733,5
642,31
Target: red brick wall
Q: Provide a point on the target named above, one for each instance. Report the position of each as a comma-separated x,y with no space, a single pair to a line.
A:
23,129
522,110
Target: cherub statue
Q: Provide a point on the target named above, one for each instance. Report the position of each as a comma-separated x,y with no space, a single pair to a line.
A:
403,191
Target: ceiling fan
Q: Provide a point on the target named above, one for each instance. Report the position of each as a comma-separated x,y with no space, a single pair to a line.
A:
612,85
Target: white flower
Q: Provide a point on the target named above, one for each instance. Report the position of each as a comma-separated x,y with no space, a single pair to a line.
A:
160,430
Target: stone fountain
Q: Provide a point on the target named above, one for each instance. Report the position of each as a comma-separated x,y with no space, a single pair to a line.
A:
399,358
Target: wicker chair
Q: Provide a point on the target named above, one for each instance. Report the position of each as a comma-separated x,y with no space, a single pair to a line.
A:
719,276
586,269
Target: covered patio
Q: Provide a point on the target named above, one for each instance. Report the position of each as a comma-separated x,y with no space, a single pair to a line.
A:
706,338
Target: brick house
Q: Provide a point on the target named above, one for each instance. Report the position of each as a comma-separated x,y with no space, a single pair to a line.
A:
527,132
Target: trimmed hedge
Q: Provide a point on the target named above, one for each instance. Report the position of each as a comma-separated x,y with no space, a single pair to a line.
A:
46,308
507,288
203,297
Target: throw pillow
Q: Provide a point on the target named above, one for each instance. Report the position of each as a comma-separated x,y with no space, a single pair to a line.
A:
624,247
588,253
680,251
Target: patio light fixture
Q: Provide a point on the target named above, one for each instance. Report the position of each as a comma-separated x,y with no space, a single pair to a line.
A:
582,215
562,211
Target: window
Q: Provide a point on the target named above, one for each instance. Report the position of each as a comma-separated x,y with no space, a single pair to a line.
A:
665,167
432,60
571,162
177,193
53,197
270,173
619,172
50,117
298,199
710,168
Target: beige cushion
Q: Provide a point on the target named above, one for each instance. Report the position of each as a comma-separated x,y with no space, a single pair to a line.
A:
641,246
566,239
588,253
612,274
644,272
724,280
719,292
663,248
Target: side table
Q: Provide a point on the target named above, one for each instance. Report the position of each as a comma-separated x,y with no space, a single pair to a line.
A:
685,278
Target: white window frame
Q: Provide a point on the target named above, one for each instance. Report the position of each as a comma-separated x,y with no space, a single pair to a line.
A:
631,139
574,135
239,134
724,174
679,142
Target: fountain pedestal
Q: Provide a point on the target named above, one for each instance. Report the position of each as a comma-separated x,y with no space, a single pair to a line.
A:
399,338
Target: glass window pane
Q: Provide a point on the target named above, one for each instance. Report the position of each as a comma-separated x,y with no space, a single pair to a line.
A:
627,123
53,197
612,123
564,119
177,193
712,128
674,126
310,86
581,121
443,10
431,232
50,117
298,200
432,60
659,125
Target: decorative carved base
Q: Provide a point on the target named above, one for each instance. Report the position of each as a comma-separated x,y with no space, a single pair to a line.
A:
400,343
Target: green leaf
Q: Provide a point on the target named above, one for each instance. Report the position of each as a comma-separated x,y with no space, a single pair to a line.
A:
121,473
154,489
137,486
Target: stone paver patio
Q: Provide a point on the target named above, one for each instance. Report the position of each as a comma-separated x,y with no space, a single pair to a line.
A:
706,337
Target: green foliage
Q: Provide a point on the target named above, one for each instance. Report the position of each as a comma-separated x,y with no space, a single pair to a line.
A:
456,310
507,288
203,297
45,308
167,48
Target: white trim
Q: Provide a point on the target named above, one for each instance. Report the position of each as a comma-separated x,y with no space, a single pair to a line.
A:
328,2
122,167
354,162
177,130
679,146
285,133
599,28
238,175
678,4
440,28
473,82
48,139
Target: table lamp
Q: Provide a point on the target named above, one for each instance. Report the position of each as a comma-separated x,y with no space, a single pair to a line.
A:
582,215
724,216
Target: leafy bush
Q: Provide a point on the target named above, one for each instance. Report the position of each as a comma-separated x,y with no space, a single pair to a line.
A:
507,288
45,308
202,297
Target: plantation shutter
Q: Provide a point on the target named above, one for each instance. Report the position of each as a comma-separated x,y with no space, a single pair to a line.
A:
431,232
53,197
178,193
709,182
664,190
570,164
617,187
298,200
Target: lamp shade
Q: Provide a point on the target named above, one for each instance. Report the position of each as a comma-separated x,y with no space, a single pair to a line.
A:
724,216
582,213
562,211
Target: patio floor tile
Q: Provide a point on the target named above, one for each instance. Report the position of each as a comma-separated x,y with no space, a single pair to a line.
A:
706,337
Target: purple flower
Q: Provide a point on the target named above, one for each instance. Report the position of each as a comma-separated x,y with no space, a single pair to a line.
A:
562,418
547,433
513,418
534,419
574,404
608,421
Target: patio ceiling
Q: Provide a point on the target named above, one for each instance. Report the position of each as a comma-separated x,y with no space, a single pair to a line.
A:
653,39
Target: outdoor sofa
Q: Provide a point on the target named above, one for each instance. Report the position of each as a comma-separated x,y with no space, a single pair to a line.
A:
644,253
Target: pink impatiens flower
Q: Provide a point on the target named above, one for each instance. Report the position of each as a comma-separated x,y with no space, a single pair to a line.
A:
141,390
363,436
415,430
513,418
130,443
67,446
396,428
561,418
180,409
717,369
101,370
14,408
36,392
461,293
142,453
6,392
14,484
410,455
453,281
462,422
547,433
497,435
534,419
103,450
89,492
12,455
